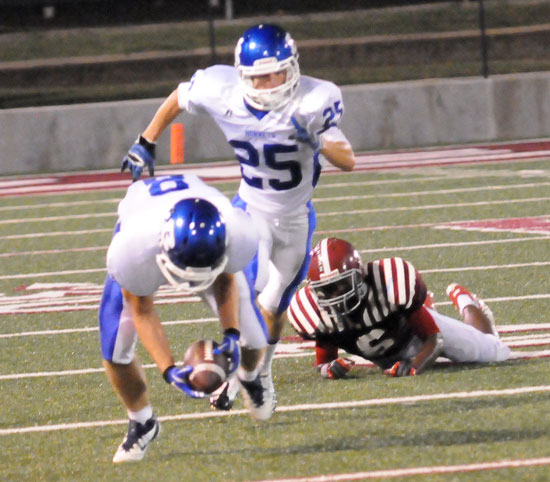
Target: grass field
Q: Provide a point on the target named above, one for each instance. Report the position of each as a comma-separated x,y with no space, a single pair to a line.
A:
59,419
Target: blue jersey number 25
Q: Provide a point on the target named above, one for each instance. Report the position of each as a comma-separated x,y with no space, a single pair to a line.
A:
269,154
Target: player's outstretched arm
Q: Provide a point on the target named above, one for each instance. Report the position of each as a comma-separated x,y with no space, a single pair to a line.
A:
332,144
429,352
338,152
336,369
424,359
226,294
165,114
327,362
179,378
423,324
142,153
149,329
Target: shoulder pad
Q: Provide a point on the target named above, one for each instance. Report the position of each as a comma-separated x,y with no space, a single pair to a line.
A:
399,278
304,313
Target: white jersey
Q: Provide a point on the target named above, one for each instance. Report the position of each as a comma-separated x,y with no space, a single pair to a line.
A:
278,173
131,258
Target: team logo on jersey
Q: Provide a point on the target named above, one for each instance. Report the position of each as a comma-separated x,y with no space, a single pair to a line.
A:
260,134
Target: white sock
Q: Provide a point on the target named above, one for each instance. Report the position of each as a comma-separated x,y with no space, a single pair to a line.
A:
268,358
141,416
463,301
245,375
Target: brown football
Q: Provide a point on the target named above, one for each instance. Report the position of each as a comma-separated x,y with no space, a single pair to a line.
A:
209,370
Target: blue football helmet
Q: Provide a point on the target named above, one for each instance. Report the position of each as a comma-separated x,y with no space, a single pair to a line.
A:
265,49
193,245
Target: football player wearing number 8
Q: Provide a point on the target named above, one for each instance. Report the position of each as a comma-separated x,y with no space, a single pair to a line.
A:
283,128
382,312
177,230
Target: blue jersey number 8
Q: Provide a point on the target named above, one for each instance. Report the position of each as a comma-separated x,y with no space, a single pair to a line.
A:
270,152
164,184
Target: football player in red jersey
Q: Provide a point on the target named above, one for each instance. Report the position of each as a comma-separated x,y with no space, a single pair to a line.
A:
383,312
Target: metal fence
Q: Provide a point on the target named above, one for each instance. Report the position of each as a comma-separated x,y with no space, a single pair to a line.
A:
428,40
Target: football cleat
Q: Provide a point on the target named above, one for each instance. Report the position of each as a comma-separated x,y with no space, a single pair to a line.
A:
138,438
258,399
269,390
224,397
455,290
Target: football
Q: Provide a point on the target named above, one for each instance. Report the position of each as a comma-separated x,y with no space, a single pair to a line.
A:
209,370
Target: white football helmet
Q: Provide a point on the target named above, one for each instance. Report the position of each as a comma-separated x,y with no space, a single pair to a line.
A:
265,49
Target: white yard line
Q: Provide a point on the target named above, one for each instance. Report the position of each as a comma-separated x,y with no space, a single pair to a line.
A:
68,188
362,251
91,202
523,327
294,408
65,299
375,161
475,189
531,342
541,296
316,200
450,245
53,251
325,185
501,328
434,206
537,337
529,237
53,273
445,224
483,268
47,234
18,309
306,349
43,219
87,329
443,174
445,157
332,213
427,470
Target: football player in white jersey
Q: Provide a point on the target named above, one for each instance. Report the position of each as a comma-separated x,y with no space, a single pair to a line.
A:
283,127
382,312
177,230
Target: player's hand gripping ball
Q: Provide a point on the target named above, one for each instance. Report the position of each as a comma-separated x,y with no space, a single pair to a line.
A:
209,369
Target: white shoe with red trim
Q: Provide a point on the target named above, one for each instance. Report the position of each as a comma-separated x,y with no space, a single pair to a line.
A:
454,291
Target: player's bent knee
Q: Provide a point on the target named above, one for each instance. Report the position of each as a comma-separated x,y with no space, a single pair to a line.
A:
118,362
494,350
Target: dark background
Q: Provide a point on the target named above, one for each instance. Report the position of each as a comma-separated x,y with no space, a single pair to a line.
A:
52,54
18,15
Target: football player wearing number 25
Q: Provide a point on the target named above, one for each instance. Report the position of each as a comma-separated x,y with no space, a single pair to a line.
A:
283,127
177,230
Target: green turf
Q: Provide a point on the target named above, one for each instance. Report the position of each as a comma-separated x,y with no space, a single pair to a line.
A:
294,443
